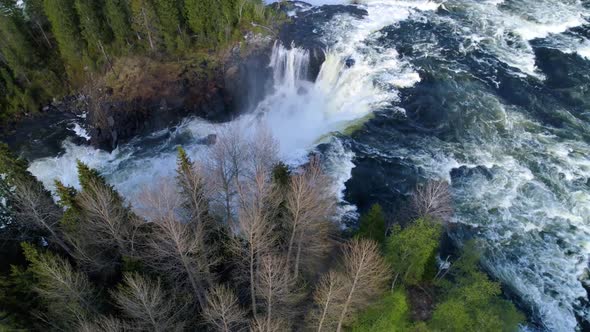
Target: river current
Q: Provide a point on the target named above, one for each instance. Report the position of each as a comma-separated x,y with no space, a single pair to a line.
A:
490,95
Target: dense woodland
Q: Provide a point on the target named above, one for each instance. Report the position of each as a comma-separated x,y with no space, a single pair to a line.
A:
234,242
49,48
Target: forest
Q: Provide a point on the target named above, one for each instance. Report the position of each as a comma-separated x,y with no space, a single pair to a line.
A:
52,48
236,241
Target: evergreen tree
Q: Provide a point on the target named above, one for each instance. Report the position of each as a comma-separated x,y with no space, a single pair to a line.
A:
90,178
20,53
17,98
17,50
145,23
171,30
36,15
117,14
372,224
64,24
14,171
92,28
67,295
195,12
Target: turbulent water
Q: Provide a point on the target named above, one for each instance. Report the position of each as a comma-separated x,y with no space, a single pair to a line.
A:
493,96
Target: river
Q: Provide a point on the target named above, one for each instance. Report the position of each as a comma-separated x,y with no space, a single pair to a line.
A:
490,95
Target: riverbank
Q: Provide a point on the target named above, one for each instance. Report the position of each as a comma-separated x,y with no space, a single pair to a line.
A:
139,94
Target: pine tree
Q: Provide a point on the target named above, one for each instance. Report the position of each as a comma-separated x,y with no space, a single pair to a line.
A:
169,17
64,24
117,14
39,22
17,50
145,23
67,294
372,224
94,32
90,178
194,10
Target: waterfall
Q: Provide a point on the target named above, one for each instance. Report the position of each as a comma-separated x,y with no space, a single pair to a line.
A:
289,66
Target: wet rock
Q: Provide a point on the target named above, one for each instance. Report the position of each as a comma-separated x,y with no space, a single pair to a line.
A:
209,140
349,62
305,31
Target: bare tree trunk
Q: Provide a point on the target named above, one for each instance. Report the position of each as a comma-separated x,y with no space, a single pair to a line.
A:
298,256
149,34
44,34
252,284
104,53
347,302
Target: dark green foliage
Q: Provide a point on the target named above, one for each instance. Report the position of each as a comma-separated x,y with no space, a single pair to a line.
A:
51,47
90,178
117,14
411,250
93,30
372,224
65,27
281,174
472,301
17,297
146,25
27,73
66,294
169,16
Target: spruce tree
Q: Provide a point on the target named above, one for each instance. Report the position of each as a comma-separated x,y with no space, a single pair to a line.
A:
117,14
39,22
372,224
145,23
92,29
16,48
169,17
64,24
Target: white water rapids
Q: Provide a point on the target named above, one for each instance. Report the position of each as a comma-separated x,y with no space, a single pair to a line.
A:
513,207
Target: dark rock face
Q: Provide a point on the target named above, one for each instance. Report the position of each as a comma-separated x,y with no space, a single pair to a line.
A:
306,29
119,121
246,80
233,87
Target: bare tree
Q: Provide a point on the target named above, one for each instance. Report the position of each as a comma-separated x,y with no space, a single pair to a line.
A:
328,297
261,325
363,276
224,166
236,162
147,304
223,311
310,205
366,274
255,237
177,250
103,324
69,296
433,199
106,219
160,200
276,290
34,208
190,180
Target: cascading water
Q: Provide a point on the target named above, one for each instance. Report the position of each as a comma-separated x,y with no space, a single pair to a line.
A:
501,112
